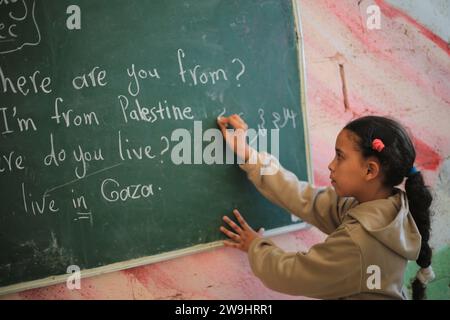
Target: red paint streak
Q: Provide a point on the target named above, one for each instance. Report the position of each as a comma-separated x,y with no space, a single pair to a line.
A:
393,12
155,273
34,294
161,278
56,292
141,274
88,289
426,157
381,45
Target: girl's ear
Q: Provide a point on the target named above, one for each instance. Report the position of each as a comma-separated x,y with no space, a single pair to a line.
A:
373,170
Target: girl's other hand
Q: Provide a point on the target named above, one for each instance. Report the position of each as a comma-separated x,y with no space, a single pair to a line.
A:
244,233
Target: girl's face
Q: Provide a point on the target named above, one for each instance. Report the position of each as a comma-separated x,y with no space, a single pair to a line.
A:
348,168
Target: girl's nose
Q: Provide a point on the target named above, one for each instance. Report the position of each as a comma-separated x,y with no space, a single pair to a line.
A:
330,166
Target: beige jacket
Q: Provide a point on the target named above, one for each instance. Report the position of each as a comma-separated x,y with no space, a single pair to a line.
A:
366,242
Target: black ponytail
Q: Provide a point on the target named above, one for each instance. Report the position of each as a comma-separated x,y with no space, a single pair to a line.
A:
396,164
419,199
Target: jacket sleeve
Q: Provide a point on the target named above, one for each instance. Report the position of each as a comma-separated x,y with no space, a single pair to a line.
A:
330,270
317,206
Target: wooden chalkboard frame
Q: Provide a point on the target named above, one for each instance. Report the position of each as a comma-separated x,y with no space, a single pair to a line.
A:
86,273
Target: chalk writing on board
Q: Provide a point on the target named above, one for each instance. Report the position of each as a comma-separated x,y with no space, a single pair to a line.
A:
113,191
37,204
10,162
195,76
70,118
33,83
137,75
12,122
92,79
137,111
88,172
18,26
83,213
84,156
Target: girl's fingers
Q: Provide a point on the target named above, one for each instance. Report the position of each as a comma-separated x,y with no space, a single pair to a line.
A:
241,220
237,122
234,120
242,123
222,121
233,225
230,234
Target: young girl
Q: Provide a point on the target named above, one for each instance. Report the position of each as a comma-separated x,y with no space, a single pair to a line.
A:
373,227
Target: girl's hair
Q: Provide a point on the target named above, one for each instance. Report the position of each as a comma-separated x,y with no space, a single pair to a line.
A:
397,160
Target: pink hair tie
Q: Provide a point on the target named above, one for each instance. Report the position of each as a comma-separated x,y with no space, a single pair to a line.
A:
378,145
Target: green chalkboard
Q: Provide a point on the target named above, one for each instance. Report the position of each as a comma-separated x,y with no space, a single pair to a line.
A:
91,93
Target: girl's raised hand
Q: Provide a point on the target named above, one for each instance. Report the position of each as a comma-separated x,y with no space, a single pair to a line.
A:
235,139
243,235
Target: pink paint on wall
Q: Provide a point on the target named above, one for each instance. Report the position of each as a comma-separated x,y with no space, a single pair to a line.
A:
402,70
393,13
